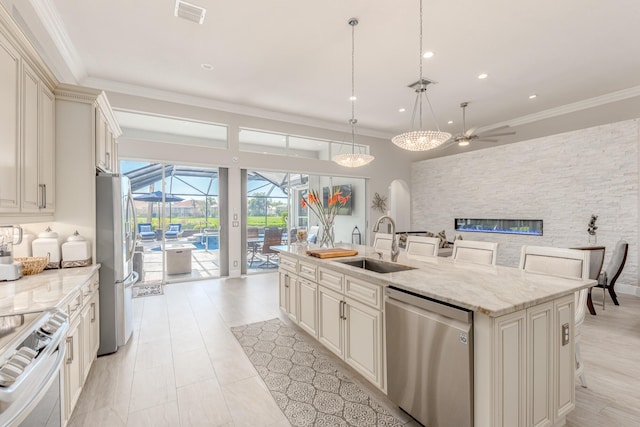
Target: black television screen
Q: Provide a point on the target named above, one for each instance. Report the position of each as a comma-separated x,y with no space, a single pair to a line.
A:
345,191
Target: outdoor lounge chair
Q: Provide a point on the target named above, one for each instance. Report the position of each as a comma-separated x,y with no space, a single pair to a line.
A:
175,231
145,231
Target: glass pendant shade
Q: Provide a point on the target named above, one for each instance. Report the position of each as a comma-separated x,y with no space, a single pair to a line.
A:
353,159
421,140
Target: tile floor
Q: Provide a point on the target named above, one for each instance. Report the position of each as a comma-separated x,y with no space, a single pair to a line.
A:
183,367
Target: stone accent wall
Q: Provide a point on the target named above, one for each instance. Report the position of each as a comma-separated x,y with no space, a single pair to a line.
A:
561,179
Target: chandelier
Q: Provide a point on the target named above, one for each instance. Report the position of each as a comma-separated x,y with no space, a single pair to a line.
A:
421,140
353,159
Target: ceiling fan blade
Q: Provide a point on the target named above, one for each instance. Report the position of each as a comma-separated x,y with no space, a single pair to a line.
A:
486,140
498,128
496,134
470,132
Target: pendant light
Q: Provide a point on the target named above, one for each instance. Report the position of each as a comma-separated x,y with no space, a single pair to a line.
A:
421,140
353,159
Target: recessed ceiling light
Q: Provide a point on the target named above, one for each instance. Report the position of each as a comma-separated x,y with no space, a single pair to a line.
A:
428,54
402,110
483,76
533,96
450,122
207,67
352,98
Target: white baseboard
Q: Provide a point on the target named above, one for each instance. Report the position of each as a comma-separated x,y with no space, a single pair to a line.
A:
621,288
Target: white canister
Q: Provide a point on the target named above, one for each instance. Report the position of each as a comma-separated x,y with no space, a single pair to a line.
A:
76,251
47,244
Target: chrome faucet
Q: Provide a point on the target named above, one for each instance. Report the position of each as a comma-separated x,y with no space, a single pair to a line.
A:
394,244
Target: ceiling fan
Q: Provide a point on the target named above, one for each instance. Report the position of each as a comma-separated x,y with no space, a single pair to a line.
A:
467,136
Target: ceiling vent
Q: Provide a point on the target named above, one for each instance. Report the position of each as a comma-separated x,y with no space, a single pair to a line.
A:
189,11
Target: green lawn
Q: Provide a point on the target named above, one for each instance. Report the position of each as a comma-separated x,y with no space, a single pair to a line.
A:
191,223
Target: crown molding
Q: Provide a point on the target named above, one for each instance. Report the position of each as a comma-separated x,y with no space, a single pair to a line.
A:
52,23
164,95
585,104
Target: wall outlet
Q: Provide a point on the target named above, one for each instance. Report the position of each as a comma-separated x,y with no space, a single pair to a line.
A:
235,263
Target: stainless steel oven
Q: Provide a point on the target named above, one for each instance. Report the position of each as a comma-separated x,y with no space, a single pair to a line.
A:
31,358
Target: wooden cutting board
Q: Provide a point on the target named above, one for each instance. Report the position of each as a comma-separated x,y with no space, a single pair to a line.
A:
331,253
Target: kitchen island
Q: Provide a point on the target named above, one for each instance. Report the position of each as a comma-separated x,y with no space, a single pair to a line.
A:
523,373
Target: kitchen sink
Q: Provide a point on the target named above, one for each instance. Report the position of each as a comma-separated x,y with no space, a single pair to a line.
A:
376,265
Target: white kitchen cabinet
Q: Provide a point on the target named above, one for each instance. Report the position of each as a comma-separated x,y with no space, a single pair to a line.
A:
105,142
82,341
352,330
307,306
330,328
37,145
9,127
363,340
288,295
27,136
531,382
90,326
73,370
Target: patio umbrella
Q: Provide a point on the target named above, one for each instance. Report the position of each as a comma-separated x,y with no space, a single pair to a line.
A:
156,196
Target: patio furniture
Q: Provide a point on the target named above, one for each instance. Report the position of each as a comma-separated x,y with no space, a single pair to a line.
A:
272,237
179,258
145,231
175,231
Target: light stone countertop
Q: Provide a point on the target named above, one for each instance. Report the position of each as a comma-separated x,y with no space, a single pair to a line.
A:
51,288
493,291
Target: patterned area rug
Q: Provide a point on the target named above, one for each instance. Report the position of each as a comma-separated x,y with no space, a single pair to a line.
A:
146,290
305,384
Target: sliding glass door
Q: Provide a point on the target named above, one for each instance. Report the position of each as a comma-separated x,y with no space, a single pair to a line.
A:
178,214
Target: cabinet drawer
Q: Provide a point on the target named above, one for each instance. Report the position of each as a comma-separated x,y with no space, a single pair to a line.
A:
330,279
289,264
364,292
307,270
74,306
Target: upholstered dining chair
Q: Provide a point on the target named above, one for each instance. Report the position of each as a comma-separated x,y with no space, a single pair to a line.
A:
418,247
608,277
382,242
474,251
570,264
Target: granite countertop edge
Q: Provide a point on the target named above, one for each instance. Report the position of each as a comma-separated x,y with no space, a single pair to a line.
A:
490,290
46,290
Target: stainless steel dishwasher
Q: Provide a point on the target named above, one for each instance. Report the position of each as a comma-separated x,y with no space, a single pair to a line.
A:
429,359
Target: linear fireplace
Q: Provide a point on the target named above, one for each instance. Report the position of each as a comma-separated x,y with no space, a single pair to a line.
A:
529,227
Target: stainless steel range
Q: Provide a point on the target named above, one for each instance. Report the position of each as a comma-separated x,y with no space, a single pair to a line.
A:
31,357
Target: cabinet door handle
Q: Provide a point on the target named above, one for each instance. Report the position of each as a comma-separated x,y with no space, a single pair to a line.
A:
93,312
108,158
69,341
344,310
41,196
44,197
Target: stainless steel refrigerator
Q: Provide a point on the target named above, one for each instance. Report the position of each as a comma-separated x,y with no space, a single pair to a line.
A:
115,243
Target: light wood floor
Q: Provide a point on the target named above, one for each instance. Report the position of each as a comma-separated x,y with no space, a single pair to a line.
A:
183,367
611,354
